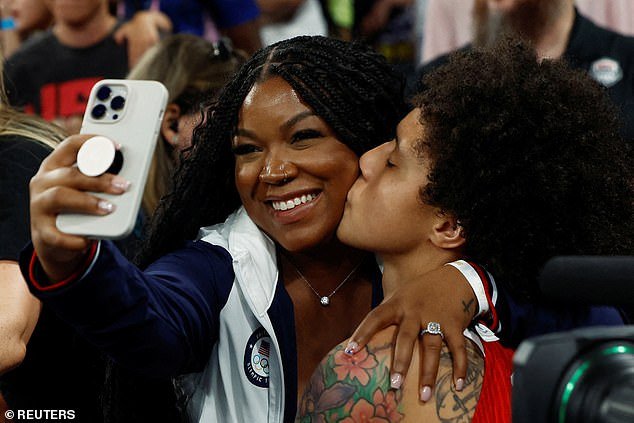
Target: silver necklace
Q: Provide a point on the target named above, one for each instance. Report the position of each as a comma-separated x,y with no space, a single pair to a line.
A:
324,300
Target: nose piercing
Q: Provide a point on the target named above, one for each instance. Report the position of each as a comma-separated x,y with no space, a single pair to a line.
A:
285,176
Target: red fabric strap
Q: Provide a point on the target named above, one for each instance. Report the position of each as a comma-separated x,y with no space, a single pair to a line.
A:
74,276
494,322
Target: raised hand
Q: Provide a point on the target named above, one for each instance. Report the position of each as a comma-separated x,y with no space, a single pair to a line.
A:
59,187
442,296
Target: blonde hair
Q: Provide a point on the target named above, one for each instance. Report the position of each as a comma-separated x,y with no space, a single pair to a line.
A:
13,122
187,66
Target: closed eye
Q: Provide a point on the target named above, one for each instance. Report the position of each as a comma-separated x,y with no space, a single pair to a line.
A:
242,149
388,163
305,134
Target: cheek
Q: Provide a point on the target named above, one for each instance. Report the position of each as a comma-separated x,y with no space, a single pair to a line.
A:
246,176
344,172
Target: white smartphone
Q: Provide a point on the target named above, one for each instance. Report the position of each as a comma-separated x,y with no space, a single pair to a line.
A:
128,112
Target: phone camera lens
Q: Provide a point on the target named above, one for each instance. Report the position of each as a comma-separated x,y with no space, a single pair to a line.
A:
98,111
117,103
103,93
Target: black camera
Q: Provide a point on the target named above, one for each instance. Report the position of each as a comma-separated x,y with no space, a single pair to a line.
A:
585,375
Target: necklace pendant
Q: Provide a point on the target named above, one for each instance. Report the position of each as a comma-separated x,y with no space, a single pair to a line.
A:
324,301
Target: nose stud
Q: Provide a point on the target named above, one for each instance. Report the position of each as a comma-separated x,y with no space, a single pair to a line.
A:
275,174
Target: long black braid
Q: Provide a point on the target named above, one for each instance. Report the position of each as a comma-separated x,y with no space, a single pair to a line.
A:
349,85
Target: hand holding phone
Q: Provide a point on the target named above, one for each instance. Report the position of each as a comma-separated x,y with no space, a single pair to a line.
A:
125,117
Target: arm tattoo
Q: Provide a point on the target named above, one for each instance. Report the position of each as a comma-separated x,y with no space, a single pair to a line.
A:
350,388
466,307
451,405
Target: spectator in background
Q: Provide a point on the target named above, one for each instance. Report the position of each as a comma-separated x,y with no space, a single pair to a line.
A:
53,75
283,19
448,24
390,27
236,19
558,30
20,20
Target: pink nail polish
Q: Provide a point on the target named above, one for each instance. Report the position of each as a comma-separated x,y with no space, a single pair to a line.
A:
120,183
425,394
459,384
351,348
396,380
106,206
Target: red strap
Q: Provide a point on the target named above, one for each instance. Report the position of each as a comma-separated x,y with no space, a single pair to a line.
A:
494,322
74,276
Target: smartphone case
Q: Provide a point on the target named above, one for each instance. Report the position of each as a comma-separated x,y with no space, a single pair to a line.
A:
129,112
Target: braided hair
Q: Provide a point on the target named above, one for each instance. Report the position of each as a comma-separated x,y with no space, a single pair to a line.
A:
349,85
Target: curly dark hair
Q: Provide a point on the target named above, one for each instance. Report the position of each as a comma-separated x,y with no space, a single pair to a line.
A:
349,85
527,156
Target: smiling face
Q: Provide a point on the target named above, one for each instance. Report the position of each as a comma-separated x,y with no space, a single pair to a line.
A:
291,172
384,212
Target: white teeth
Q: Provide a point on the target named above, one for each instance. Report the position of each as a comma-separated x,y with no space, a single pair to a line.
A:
290,204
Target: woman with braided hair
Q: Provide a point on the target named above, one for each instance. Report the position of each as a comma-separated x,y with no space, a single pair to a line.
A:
251,302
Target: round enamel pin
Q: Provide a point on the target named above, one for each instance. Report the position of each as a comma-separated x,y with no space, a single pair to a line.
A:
606,71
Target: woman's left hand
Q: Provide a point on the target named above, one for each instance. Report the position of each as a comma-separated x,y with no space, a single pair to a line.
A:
443,296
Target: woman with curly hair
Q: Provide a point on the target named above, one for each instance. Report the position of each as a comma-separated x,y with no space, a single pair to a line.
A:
506,161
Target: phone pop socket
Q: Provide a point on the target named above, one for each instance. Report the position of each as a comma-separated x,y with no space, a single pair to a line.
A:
99,155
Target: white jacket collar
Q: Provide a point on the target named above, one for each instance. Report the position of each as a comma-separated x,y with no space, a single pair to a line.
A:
254,258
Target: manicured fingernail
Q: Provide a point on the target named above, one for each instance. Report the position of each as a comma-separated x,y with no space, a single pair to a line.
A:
106,206
351,348
459,384
396,380
120,184
425,394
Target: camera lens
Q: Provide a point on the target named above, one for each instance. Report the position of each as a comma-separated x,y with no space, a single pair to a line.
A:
103,93
98,111
599,386
117,103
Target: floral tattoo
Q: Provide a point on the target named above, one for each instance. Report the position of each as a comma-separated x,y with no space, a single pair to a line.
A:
351,389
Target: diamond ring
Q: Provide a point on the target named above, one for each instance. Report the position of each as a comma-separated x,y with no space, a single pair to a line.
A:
433,328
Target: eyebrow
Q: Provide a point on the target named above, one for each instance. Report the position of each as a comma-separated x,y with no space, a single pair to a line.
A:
297,118
286,125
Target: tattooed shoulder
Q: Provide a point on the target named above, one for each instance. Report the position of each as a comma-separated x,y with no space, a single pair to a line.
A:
352,388
347,388
458,406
